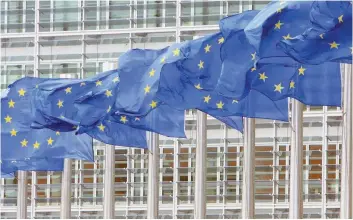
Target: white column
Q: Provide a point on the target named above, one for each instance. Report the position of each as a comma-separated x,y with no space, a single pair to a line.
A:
153,174
109,191
346,159
248,195
296,162
200,167
65,204
22,194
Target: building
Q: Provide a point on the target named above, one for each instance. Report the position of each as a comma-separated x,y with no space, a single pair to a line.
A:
75,38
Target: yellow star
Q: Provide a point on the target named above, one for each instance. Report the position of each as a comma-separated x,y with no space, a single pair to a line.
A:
207,98
207,48
176,52
278,25
200,64
109,108
147,89
301,70
288,37
24,143
74,127
50,141
101,127
163,60
153,104
198,86
60,104
321,36
108,93
68,90
82,84
340,19
116,79
11,104
57,133
253,56
279,10
279,87
221,40
152,72
253,69
8,119
13,132
292,84
21,92
263,76
98,83
334,45
36,145
220,105
123,119
234,101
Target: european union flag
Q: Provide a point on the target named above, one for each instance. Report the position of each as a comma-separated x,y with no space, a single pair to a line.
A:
317,85
19,140
63,104
277,21
237,55
328,38
181,85
8,167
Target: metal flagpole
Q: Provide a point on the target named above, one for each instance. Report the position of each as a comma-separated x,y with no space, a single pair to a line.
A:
248,196
346,169
296,162
109,191
153,174
200,169
65,209
22,195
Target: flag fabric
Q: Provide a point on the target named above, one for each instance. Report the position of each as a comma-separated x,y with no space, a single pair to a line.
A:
279,78
19,140
190,83
8,167
328,38
64,104
277,21
237,55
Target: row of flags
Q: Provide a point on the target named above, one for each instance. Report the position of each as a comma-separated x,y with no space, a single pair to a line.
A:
248,69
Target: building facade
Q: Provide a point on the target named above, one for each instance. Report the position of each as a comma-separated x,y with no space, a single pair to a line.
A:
76,38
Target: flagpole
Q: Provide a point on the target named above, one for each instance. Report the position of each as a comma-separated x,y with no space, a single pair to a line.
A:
153,174
65,209
109,191
200,169
248,196
296,162
346,169
22,195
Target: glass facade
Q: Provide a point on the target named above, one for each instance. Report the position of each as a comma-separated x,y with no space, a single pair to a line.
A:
76,38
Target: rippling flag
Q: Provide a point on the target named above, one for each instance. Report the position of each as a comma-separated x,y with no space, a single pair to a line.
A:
279,20
19,140
328,38
279,78
63,104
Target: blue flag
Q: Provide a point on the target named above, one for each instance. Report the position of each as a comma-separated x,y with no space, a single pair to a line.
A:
190,83
19,140
328,38
277,21
317,85
63,104
238,56
8,167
